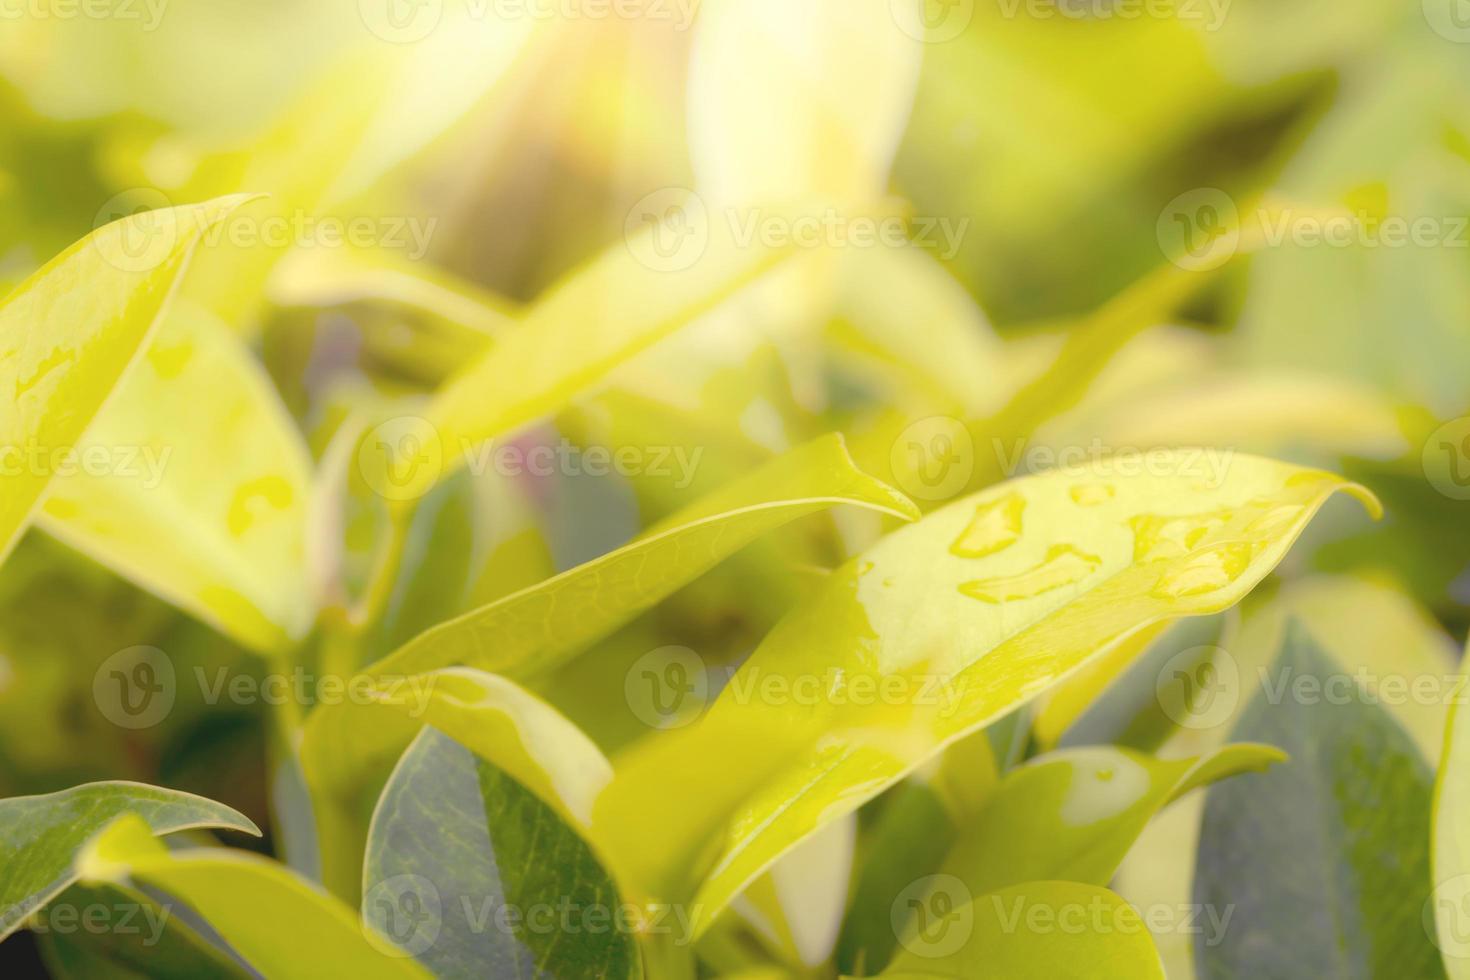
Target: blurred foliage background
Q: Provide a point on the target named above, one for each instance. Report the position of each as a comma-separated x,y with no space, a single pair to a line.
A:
1059,135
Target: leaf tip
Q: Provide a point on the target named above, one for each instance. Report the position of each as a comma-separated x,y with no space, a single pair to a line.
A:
1367,498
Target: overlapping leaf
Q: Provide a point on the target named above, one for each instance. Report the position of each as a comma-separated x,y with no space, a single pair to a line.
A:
1034,931
210,510
69,332
955,620
345,749
1325,860
525,633
278,922
474,874
41,835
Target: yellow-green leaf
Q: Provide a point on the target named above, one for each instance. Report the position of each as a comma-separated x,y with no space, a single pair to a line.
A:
1375,631
69,332
278,922
1450,843
1076,812
622,303
453,841
206,504
41,835
1040,930
938,630
345,749
533,630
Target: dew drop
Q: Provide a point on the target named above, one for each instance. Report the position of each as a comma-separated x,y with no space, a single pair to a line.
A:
1158,536
274,490
1209,570
1064,565
58,357
1092,494
995,527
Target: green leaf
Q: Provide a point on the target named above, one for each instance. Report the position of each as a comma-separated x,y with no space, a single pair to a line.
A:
143,939
881,293
343,749
1034,931
477,876
40,835
1325,860
535,629
1381,152
1124,706
1450,842
1066,702
604,314
797,906
69,332
938,630
212,515
910,837
1372,629
469,317
1076,812
278,922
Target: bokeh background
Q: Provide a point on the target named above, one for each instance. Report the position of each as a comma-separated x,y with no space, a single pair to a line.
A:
490,150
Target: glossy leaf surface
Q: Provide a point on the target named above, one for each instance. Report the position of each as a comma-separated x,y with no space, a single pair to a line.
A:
1325,875
281,924
69,332
41,835
502,884
939,629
